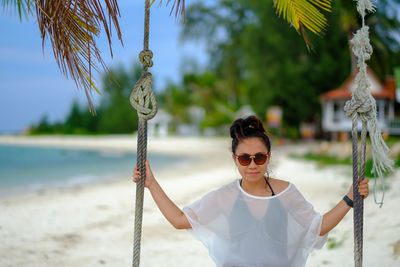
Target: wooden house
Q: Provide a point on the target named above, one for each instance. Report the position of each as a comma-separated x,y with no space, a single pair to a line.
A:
334,120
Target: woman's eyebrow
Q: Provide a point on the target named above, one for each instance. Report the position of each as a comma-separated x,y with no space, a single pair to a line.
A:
260,152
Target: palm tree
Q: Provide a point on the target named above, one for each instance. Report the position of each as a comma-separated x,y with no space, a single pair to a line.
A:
72,27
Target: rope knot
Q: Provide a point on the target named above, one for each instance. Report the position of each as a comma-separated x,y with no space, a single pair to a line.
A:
142,97
351,107
360,108
361,46
145,57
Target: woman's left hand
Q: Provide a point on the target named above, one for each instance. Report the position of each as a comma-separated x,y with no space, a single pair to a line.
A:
362,189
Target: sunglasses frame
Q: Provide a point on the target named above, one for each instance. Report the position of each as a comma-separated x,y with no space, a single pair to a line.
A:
252,157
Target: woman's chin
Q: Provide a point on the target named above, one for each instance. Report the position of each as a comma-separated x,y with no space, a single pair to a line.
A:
253,177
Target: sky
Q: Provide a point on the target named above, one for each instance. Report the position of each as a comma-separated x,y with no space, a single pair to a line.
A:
31,84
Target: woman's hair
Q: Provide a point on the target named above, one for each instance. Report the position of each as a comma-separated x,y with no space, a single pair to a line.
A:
246,128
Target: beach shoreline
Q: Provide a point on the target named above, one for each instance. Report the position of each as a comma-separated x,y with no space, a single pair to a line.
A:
181,145
92,225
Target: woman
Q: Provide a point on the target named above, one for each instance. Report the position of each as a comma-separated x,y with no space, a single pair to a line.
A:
256,220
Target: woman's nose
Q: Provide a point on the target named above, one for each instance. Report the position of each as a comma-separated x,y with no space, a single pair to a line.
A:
252,164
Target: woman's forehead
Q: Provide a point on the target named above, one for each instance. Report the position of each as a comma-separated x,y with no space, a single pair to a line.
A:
251,145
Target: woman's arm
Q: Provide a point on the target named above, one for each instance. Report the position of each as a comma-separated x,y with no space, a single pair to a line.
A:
335,215
168,208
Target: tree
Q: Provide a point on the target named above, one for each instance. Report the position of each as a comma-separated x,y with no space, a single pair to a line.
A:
75,120
263,63
117,114
43,127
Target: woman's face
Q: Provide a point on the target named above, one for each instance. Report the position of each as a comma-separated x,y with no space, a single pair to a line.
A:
251,146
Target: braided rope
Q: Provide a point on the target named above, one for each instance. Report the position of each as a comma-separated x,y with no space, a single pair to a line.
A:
141,159
144,101
362,106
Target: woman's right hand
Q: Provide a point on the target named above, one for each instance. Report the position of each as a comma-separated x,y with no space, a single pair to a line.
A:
149,175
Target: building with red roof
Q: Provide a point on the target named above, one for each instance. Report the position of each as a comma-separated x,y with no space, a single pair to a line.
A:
334,119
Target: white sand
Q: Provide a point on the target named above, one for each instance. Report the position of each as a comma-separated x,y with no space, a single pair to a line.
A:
92,225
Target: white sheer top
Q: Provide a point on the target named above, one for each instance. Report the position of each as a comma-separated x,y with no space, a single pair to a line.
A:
240,229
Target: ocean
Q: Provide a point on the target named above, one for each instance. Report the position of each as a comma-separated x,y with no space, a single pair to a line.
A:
33,168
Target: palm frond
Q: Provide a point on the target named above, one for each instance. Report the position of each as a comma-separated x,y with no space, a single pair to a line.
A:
178,6
72,26
304,13
23,7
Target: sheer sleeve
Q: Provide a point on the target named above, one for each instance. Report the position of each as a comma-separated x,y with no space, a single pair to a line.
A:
206,218
310,221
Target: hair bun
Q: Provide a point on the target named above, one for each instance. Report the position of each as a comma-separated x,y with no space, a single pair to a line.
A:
252,124
248,127
244,127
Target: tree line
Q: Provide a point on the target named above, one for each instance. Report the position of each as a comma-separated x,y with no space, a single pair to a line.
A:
113,115
256,59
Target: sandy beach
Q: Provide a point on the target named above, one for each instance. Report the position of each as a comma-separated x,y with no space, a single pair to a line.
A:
92,225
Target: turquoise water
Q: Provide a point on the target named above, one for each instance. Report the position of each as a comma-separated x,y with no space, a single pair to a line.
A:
30,168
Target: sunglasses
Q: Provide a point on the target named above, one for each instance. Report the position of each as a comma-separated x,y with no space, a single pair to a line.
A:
245,159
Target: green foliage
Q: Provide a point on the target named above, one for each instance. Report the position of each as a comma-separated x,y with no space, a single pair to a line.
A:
392,140
177,100
324,160
291,132
259,61
333,242
198,90
114,114
327,160
117,114
262,62
397,162
43,126
75,120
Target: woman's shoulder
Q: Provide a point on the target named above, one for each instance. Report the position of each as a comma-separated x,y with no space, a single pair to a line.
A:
225,189
279,185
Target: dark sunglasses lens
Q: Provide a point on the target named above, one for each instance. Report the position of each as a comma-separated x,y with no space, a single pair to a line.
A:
260,159
244,160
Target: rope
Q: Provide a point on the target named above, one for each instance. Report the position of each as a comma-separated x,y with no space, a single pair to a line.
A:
362,106
143,100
